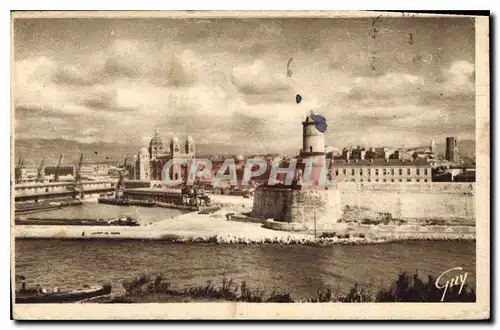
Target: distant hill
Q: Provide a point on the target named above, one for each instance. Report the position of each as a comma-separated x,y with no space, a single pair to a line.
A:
33,150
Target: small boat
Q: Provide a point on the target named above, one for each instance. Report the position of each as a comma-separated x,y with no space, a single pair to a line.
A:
178,206
113,201
145,203
126,221
43,296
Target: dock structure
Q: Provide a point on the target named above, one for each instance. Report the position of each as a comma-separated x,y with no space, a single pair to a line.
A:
164,195
51,190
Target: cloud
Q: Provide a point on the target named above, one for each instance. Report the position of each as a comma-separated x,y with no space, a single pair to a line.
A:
74,75
232,87
257,79
460,76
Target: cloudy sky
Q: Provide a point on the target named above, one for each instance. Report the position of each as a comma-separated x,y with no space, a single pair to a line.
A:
391,81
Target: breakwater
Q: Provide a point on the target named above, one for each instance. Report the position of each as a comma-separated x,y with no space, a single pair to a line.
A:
322,239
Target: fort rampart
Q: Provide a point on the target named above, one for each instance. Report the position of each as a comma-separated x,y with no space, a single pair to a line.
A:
405,201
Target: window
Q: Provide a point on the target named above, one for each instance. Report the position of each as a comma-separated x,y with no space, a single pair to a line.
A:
369,171
311,149
361,172
352,172
408,180
425,171
385,171
425,180
392,172
408,171
392,180
400,171
418,171
369,180
376,172
376,180
400,180
344,171
336,172
385,180
418,180
361,180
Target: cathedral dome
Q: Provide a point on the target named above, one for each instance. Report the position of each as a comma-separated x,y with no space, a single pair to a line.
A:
156,141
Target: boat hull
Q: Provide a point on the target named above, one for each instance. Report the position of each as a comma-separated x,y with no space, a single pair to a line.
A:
62,297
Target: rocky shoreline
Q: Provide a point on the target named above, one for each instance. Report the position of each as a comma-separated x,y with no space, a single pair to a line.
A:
342,239
306,240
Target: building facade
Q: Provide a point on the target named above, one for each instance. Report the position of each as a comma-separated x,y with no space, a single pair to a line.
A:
381,170
149,163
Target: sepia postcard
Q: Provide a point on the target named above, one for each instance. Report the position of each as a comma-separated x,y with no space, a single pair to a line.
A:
250,165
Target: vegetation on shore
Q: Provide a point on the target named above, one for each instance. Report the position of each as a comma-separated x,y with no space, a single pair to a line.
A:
406,288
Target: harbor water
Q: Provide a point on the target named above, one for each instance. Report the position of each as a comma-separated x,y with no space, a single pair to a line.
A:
299,270
94,210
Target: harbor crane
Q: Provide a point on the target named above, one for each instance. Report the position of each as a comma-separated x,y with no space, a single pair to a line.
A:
121,180
78,186
58,168
40,174
19,169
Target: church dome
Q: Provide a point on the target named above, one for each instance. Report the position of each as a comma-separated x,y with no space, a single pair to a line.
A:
156,141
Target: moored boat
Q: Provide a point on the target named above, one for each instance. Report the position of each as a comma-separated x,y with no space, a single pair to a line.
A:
43,296
113,201
145,203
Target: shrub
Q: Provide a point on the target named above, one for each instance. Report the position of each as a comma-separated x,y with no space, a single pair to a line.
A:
279,297
327,235
413,289
248,295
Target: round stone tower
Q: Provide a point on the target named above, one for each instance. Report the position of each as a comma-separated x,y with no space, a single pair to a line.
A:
313,150
313,141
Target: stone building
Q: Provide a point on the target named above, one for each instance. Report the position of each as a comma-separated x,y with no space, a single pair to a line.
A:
142,168
305,206
157,155
381,170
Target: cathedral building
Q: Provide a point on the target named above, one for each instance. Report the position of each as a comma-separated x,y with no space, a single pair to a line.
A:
148,164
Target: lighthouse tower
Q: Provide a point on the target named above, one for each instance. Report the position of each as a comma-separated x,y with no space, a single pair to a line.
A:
313,150
313,141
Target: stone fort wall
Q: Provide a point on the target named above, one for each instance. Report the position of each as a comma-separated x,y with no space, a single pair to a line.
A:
301,206
435,200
